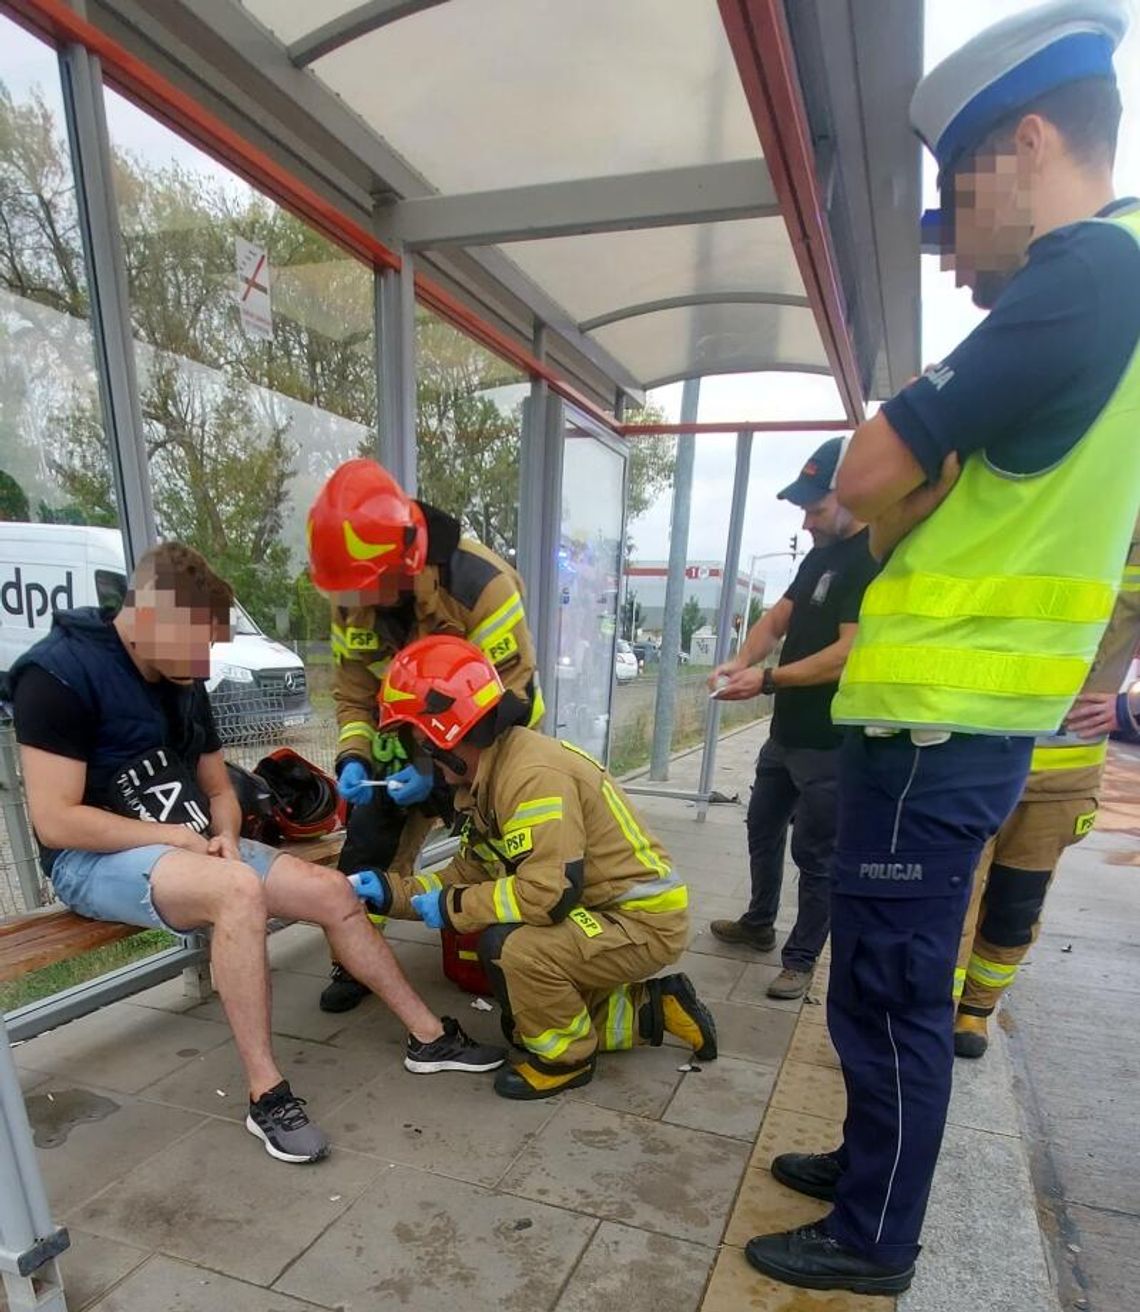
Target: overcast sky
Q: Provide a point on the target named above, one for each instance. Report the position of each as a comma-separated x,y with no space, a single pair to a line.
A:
947,316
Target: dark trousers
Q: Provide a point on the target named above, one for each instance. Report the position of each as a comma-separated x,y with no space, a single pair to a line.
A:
912,825
374,829
794,785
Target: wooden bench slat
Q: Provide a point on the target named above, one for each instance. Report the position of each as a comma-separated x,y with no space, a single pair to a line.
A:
41,938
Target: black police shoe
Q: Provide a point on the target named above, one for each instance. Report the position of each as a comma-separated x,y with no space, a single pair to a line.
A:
814,1174
810,1259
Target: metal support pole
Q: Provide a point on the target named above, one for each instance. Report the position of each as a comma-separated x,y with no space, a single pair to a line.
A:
664,707
727,604
30,1242
396,351
531,466
546,614
20,841
110,296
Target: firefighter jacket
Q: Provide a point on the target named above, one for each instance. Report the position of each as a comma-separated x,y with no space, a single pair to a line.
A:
547,835
465,589
1064,766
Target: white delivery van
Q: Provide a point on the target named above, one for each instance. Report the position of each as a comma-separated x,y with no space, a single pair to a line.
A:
254,682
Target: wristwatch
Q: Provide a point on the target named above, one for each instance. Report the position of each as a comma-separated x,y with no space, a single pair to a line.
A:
768,682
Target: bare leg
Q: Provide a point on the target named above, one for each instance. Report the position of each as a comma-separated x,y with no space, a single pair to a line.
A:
190,891
298,890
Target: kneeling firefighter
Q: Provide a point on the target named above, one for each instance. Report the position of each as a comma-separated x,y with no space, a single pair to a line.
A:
576,901
397,569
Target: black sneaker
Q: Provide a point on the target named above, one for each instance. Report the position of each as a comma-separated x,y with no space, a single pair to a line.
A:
279,1120
344,992
452,1051
810,1259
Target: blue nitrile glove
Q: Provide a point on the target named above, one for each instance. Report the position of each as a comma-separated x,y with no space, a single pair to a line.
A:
351,782
372,888
408,786
429,908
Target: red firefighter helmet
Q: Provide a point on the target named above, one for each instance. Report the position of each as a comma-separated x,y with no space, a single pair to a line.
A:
442,685
362,525
305,801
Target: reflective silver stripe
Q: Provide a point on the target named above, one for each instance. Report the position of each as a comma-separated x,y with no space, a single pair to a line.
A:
649,889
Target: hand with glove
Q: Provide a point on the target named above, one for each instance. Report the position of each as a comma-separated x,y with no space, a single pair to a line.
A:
410,785
373,889
429,908
352,782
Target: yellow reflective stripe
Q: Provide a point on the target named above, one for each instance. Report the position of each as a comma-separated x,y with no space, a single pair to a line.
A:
1024,674
428,882
498,622
991,974
488,693
537,708
959,983
1069,758
633,832
579,751
535,812
619,1020
943,596
356,729
673,899
485,853
359,549
506,904
552,1043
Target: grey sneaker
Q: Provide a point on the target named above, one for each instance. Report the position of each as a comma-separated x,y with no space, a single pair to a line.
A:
279,1120
763,938
790,984
452,1051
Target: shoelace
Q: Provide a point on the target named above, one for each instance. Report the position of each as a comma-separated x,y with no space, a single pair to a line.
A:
289,1113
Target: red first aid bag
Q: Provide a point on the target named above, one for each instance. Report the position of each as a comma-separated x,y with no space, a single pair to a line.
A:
461,962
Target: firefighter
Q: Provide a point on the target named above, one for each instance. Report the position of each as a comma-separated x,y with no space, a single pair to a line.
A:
397,569
577,903
1057,809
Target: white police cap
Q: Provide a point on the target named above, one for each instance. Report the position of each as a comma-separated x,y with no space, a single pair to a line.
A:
1008,66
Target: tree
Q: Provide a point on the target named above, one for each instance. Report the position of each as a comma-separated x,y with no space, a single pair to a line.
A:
13,499
630,616
692,617
755,610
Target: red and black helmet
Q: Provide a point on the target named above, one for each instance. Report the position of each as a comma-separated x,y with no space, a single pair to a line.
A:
442,685
305,801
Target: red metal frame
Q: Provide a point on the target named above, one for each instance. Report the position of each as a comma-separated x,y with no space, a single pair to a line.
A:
758,34
740,426
186,116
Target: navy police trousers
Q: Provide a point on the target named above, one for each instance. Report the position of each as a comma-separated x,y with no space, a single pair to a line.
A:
912,825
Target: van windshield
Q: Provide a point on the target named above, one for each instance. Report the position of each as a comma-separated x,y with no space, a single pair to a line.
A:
240,622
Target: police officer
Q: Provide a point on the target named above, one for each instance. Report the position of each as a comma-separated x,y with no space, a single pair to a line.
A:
397,569
984,622
797,767
577,902
1057,809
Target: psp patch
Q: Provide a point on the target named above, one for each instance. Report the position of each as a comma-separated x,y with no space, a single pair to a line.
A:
518,842
502,648
585,922
1084,824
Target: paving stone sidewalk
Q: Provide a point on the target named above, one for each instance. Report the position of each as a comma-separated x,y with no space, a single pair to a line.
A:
439,1194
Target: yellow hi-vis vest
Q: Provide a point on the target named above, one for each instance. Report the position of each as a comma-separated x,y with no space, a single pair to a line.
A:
987,616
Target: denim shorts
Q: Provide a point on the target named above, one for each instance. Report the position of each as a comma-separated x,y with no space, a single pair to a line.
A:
116,885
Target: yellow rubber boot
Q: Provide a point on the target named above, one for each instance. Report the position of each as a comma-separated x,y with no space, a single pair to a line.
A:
527,1081
674,1008
971,1038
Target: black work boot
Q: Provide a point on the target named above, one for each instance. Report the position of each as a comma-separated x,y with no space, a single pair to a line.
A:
810,1259
343,992
814,1174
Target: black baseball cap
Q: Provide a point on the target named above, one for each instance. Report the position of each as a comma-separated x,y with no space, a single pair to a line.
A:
817,478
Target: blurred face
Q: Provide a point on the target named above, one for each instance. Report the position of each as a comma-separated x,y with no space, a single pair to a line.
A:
172,634
991,197
827,521
467,754
386,592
